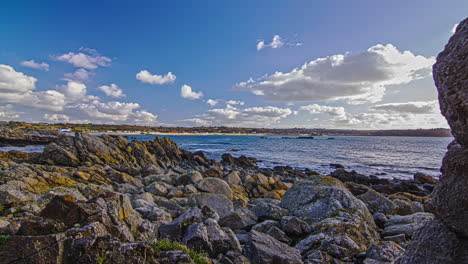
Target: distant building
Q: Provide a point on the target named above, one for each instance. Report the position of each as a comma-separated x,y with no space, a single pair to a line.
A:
64,130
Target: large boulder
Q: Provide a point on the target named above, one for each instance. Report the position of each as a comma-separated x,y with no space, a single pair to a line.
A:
214,185
445,239
264,249
326,204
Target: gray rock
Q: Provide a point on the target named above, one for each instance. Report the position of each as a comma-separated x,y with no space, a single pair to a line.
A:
264,249
294,226
406,225
386,252
218,202
265,226
377,203
266,211
279,235
241,218
214,185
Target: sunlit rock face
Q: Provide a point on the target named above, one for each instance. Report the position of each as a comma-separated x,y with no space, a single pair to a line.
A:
445,239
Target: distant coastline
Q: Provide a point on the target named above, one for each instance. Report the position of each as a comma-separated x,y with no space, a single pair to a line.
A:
243,131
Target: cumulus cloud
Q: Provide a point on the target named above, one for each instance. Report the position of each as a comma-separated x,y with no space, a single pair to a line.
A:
232,116
12,81
86,58
80,75
74,91
384,116
69,103
428,107
357,78
212,102
186,92
112,90
35,65
147,77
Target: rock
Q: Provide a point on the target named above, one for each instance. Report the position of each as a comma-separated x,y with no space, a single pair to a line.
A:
422,179
218,202
406,225
279,235
356,189
346,176
215,185
380,219
377,203
435,243
386,252
189,178
233,178
402,207
266,211
177,228
159,188
327,205
264,249
221,239
196,237
241,218
213,172
294,226
265,226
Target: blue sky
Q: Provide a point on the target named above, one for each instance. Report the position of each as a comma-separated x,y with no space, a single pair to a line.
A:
212,49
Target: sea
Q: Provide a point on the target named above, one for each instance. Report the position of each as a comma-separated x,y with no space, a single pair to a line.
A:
387,157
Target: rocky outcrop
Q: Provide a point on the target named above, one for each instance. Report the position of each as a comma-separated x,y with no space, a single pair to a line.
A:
445,239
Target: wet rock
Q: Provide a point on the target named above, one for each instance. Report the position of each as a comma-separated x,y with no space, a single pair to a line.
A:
264,249
346,176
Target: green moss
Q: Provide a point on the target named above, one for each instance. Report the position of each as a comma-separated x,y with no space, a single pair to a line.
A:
4,239
3,211
101,260
169,245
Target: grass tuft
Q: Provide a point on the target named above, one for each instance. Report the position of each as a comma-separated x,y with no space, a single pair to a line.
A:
169,245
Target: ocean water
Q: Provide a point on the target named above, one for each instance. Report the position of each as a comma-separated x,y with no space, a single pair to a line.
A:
399,157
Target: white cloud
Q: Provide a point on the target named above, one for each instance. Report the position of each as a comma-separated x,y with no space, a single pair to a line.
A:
337,112
56,118
186,92
74,91
196,122
212,102
35,65
80,75
277,42
86,58
146,77
112,90
233,102
357,78
7,112
15,82
232,116
454,28
50,100
428,107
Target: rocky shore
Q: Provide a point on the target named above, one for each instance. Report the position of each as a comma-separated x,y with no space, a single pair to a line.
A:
88,199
